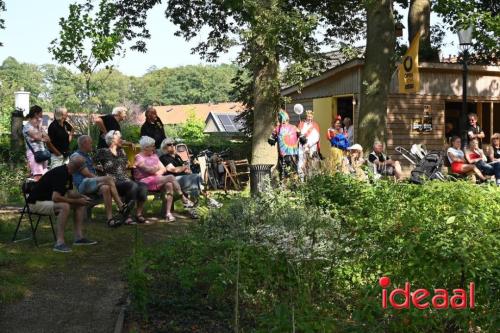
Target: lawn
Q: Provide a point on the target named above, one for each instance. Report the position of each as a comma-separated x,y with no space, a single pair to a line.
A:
22,263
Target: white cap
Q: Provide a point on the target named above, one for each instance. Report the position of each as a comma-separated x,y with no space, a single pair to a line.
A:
355,146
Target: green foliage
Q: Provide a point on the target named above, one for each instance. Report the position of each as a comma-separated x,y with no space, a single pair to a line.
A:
185,85
192,130
131,132
13,77
138,278
13,170
310,257
483,15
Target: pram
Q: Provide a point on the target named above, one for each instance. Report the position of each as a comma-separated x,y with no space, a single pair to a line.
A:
427,165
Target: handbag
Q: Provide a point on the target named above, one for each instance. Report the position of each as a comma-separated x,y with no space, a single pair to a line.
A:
41,155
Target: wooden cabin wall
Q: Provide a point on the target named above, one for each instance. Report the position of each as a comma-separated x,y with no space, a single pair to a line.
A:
402,110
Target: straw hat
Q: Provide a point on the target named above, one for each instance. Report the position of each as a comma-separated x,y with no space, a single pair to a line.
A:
355,146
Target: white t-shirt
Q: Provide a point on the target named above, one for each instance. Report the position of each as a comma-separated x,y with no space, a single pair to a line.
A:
455,152
312,138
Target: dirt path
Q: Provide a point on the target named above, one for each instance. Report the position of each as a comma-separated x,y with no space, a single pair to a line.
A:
85,292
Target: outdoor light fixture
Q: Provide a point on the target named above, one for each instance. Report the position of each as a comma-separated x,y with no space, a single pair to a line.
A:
465,43
465,38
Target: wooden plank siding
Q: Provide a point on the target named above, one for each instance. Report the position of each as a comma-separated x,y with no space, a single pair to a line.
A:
402,110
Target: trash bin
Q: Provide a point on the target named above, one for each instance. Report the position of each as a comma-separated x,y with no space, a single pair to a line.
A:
258,174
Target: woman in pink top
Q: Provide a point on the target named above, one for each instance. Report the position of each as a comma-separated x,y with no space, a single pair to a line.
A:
150,171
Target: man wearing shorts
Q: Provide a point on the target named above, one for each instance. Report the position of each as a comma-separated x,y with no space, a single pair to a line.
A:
87,183
51,196
385,166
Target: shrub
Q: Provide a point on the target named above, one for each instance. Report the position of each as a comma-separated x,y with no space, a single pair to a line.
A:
308,259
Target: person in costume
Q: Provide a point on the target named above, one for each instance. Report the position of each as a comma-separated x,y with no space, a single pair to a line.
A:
286,136
309,144
339,143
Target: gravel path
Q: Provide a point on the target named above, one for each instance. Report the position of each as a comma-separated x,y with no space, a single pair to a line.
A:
87,291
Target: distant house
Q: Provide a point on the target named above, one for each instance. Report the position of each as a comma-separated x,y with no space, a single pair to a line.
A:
178,114
223,123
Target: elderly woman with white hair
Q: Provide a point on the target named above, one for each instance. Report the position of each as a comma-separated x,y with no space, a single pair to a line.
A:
110,122
150,171
60,134
112,161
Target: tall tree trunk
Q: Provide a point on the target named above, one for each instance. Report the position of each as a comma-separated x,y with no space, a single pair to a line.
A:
419,19
266,93
266,105
377,71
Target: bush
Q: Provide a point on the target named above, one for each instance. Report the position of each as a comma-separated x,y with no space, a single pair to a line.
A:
308,259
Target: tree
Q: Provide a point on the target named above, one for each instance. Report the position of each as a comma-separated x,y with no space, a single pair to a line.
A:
62,88
15,76
377,71
484,16
2,21
90,38
419,19
269,31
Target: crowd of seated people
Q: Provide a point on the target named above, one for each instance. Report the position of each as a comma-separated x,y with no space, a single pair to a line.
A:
158,168
66,181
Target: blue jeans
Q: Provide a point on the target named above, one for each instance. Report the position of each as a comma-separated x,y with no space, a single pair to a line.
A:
489,169
190,184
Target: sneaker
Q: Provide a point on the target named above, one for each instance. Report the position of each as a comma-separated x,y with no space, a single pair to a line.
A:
193,214
214,203
170,218
84,241
188,204
61,248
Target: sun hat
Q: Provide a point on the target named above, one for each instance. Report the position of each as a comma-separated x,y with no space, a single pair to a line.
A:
355,146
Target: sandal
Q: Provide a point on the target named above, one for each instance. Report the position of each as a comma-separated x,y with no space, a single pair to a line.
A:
170,218
129,221
142,220
188,203
113,222
126,208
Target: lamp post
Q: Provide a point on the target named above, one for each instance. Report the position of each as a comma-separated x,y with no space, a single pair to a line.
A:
465,43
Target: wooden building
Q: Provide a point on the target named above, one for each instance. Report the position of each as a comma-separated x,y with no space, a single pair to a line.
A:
337,91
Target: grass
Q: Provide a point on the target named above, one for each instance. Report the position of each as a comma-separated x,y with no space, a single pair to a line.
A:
22,263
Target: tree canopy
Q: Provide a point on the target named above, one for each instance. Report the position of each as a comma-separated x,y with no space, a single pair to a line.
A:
51,86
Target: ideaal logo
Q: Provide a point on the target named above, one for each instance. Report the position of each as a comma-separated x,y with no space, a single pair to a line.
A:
439,300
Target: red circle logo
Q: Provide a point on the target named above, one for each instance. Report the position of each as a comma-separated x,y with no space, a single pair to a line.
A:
384,282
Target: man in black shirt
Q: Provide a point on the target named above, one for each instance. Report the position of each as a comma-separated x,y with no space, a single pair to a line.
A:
51,196
474,131
110,122
385,166
153,127
60,134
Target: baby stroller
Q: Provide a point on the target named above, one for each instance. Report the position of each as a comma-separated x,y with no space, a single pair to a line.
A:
427,165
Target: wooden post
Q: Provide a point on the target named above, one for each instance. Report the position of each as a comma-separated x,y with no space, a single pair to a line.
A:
16,132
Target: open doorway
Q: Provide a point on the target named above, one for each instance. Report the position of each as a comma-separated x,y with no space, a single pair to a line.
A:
344,107
452,117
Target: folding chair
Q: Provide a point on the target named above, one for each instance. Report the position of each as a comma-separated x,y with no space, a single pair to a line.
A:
26,188
234,174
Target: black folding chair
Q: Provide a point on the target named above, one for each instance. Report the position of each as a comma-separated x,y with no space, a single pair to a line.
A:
26,188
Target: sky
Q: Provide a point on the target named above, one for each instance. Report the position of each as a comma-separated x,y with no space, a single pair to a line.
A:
32,24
